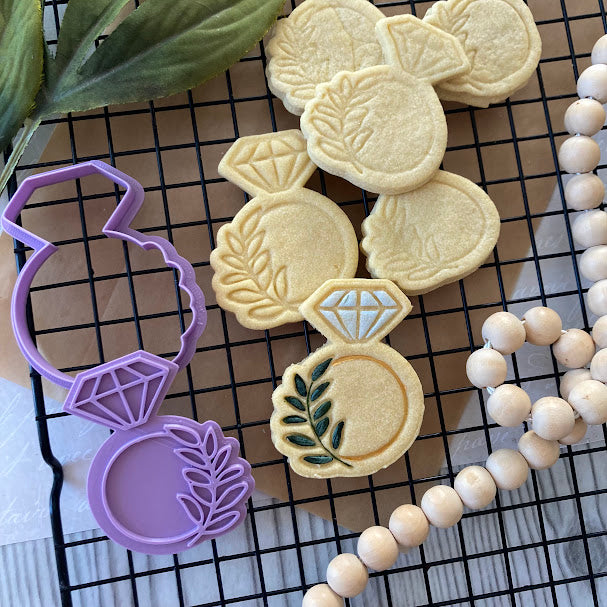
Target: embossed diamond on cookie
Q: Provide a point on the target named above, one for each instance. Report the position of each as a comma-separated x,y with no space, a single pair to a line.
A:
355,405
285,242
268,163
501,40
358,314
421,49
319,39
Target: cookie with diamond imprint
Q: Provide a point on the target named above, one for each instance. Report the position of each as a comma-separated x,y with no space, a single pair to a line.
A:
160,483
286,241
355,405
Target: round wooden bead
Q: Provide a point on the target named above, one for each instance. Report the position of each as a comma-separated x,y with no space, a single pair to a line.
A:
589,399
599,51
553,418
598,366
346,575
593,263
574,348
539,452
377,548
584,117
442,506
409,526
599,332
475,487
486,367
589,229
597,298
572,378
577,434
508,468
321,595
593,83
579,154
504,331
509,405
585,191
543,326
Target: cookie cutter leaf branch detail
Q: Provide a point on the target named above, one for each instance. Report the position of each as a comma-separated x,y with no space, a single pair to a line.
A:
198,486
117,226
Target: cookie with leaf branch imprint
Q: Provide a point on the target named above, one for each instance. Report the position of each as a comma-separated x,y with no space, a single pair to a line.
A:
383,127
500,39
355,405
319,39
286,241
430,236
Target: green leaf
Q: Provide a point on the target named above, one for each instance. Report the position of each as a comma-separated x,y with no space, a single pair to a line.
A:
295,402
336,438
321,426
322,409
318,391
293,419
159,50
300,386
318,459
21,58
320,369
83,22
301,440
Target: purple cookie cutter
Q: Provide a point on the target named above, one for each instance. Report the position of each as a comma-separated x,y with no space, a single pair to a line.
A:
160,483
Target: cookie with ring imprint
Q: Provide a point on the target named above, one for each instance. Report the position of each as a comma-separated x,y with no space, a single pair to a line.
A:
316,41
286,241
355,405
430,236
383,127
500,39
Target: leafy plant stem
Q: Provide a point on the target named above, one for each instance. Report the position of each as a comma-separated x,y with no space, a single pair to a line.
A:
309,414
30,126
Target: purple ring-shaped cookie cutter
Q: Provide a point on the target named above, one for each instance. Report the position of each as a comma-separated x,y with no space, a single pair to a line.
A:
117,226
161,483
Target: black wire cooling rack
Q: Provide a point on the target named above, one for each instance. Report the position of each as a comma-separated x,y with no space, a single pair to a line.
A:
575,24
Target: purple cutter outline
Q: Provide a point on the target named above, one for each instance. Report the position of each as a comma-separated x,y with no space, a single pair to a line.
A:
208,483
117,226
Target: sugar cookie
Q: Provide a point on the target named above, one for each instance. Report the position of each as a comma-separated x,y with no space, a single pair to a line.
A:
284,243
319,39
380,128
501,40
355,405
421,49
430,236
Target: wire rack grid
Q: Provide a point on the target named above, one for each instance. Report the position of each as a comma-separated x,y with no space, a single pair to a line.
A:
563,18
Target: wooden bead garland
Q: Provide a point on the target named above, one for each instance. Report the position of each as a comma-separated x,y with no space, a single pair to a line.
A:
583,390
346,575
377,548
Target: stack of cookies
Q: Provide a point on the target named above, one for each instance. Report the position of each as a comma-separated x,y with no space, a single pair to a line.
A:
368,90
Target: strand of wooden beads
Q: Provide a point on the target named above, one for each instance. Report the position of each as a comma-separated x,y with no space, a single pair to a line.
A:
584,192
583,391
555,421
584,395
